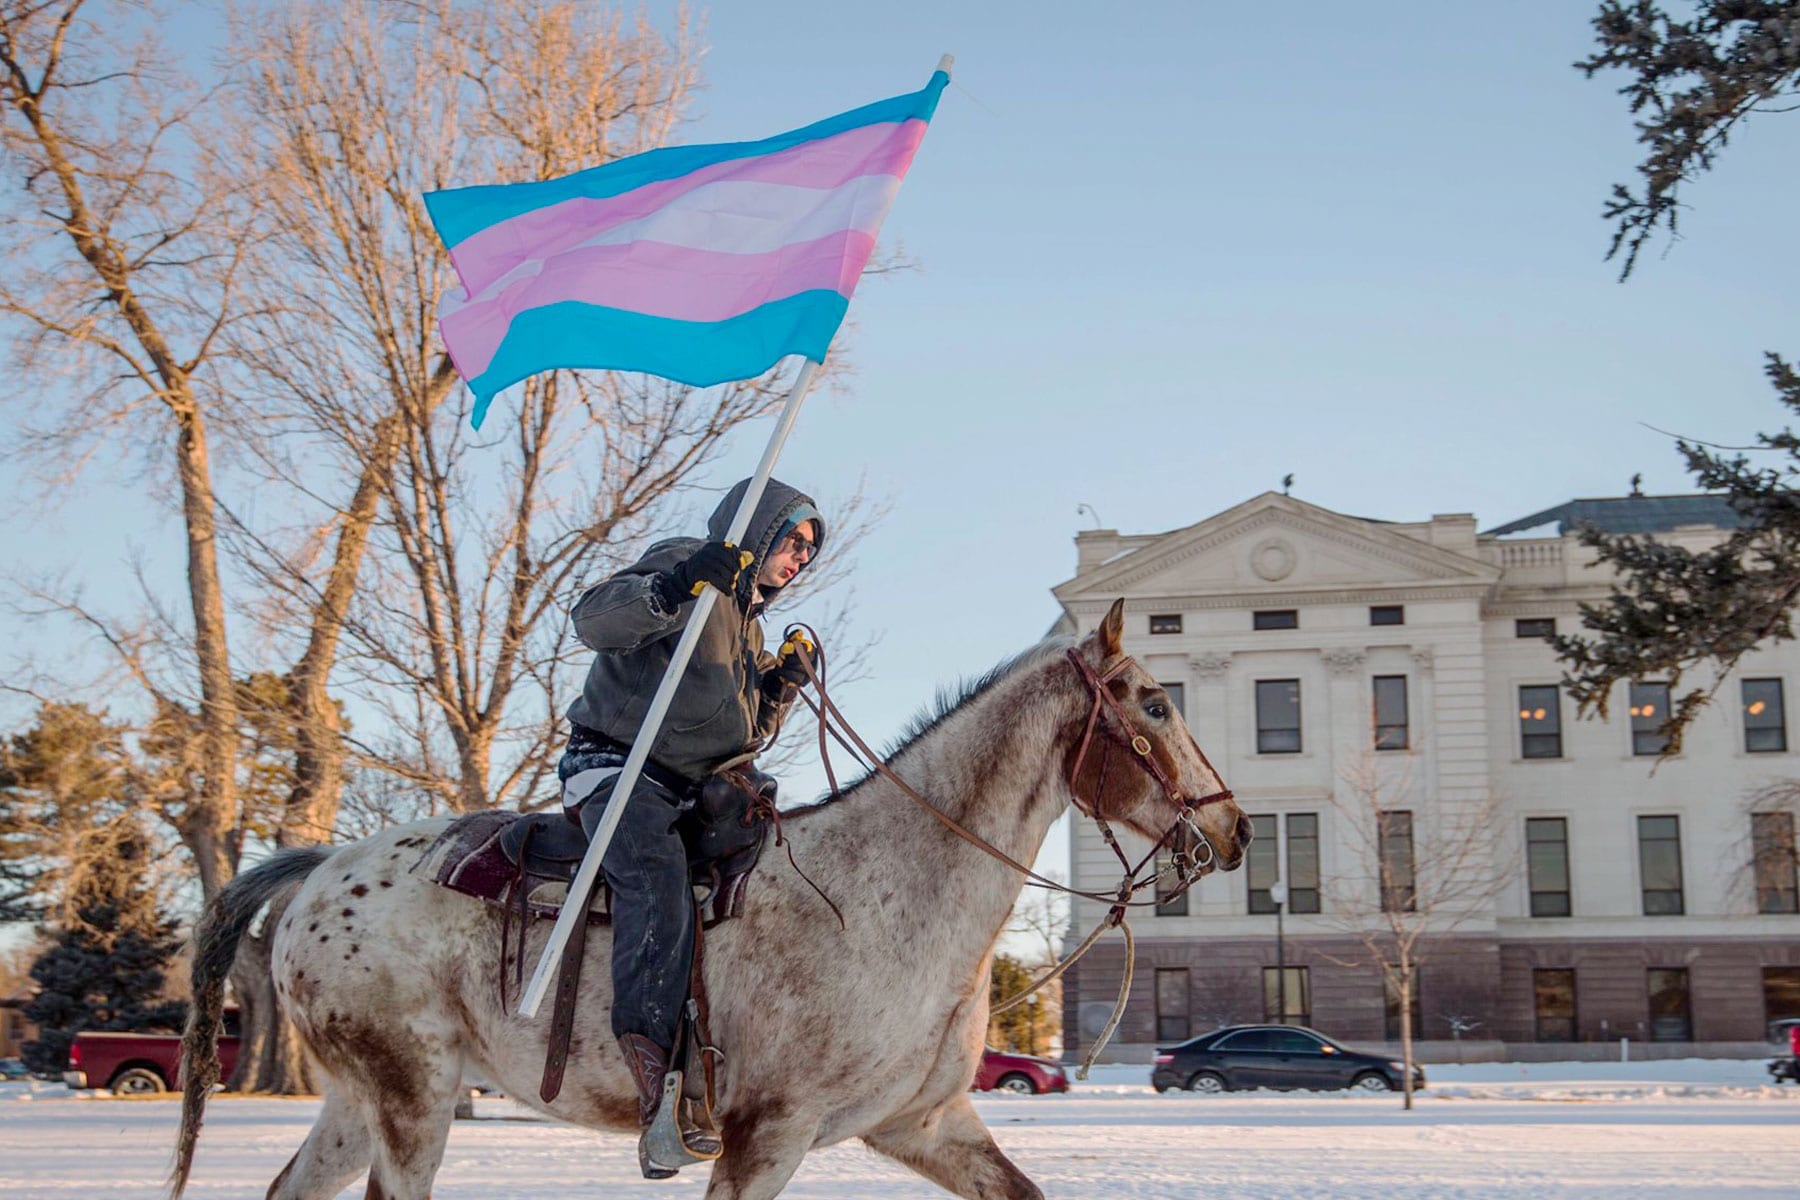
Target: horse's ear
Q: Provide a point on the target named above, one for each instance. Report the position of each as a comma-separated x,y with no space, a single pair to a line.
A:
1112,628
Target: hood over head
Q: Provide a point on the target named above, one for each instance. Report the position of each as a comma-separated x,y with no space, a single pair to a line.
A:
781,507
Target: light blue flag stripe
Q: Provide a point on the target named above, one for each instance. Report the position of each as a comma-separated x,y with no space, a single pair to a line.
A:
698,353
459,213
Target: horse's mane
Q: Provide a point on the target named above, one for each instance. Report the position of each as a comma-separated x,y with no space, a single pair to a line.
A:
948,701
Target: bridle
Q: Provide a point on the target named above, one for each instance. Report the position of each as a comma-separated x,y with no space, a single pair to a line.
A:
1187,867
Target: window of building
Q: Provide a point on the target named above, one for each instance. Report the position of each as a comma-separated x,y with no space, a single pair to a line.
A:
1659,865
1781,993
1387,614
1535,627
1395,831
1540,721
1390,712
1262,864
1547,865
1765,717
1391,984
1649,711
1287,995
1177,693
1168,903
1275,618
1171,1004
1671,1016
1302,862
1165,623
1278,716
1772,842
1553,1003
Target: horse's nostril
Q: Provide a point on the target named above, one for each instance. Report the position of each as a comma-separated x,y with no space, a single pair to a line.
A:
1246,832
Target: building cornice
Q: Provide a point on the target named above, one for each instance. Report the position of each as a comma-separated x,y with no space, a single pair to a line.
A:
1193,602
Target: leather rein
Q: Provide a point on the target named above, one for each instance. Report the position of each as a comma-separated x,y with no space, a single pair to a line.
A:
1114,734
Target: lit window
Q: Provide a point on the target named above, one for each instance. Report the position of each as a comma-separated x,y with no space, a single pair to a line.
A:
1165,623
1649,713
1535,627
1540,721
1765,717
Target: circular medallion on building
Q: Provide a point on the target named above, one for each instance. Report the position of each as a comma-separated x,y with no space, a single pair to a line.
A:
1273,559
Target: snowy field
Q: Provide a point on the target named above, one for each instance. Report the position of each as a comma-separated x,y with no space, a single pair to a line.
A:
1688,1129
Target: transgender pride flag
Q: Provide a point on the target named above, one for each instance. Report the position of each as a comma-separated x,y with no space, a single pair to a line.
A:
703,264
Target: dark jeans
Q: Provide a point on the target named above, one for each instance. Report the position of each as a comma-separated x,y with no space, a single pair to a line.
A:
652,906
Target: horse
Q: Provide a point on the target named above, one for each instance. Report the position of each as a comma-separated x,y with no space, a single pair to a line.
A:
390,981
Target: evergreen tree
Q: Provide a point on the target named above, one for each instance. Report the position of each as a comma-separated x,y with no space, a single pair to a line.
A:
105,969
1693,81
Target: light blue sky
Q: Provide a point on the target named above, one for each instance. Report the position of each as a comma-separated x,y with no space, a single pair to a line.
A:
1173,251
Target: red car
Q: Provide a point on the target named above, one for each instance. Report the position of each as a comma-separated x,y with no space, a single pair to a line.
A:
139,1064
1025,1074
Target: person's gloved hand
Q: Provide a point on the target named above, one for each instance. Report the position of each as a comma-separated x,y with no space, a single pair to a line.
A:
717,563
787,676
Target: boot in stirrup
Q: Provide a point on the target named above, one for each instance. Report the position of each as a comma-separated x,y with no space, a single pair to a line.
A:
670,1139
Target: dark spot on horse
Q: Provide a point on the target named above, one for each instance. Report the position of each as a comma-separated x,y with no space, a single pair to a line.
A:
347,875
361,889
393,856
354,949
611,1110
323,938
313,928
340,1143
387,883
349,912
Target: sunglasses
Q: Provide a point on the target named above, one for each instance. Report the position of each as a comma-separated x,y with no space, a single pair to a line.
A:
798,544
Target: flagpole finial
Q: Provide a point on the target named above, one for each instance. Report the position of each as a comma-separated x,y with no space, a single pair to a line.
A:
946,62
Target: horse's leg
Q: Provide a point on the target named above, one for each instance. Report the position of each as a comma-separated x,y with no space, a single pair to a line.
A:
335,1152
763,1149
409,1135
953,1149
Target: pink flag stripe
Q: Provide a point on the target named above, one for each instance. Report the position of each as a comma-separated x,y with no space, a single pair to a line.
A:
657,280
830,162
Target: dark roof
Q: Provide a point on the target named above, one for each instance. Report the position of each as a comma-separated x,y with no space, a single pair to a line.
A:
1630,514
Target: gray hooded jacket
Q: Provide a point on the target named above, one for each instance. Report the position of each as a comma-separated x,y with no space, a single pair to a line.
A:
719,712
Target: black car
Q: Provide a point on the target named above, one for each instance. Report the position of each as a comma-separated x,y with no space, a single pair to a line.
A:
1273,1056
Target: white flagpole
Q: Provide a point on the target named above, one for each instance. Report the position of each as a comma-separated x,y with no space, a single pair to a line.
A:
581,887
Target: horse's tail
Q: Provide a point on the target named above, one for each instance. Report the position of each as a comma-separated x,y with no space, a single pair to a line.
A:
216,939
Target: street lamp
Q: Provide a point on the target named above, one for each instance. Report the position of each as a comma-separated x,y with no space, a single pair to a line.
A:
1278,894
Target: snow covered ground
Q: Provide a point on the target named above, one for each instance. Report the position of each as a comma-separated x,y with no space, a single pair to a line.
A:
1689,1129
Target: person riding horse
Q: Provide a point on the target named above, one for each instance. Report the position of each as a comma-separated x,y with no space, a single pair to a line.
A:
729,705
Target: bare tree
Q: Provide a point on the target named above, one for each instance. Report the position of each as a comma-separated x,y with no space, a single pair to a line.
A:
1417,869
1763,881
125,272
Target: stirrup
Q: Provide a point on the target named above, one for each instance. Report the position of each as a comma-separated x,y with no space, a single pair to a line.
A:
665,1145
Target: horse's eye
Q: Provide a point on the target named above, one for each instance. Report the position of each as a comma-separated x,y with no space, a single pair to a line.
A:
1157,710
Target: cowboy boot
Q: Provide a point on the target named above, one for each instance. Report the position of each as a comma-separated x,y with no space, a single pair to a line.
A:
670,1139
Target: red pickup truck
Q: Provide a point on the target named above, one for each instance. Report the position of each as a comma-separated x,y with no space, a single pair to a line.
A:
138,1064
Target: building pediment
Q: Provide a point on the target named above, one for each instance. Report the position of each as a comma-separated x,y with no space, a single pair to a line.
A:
1276,544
